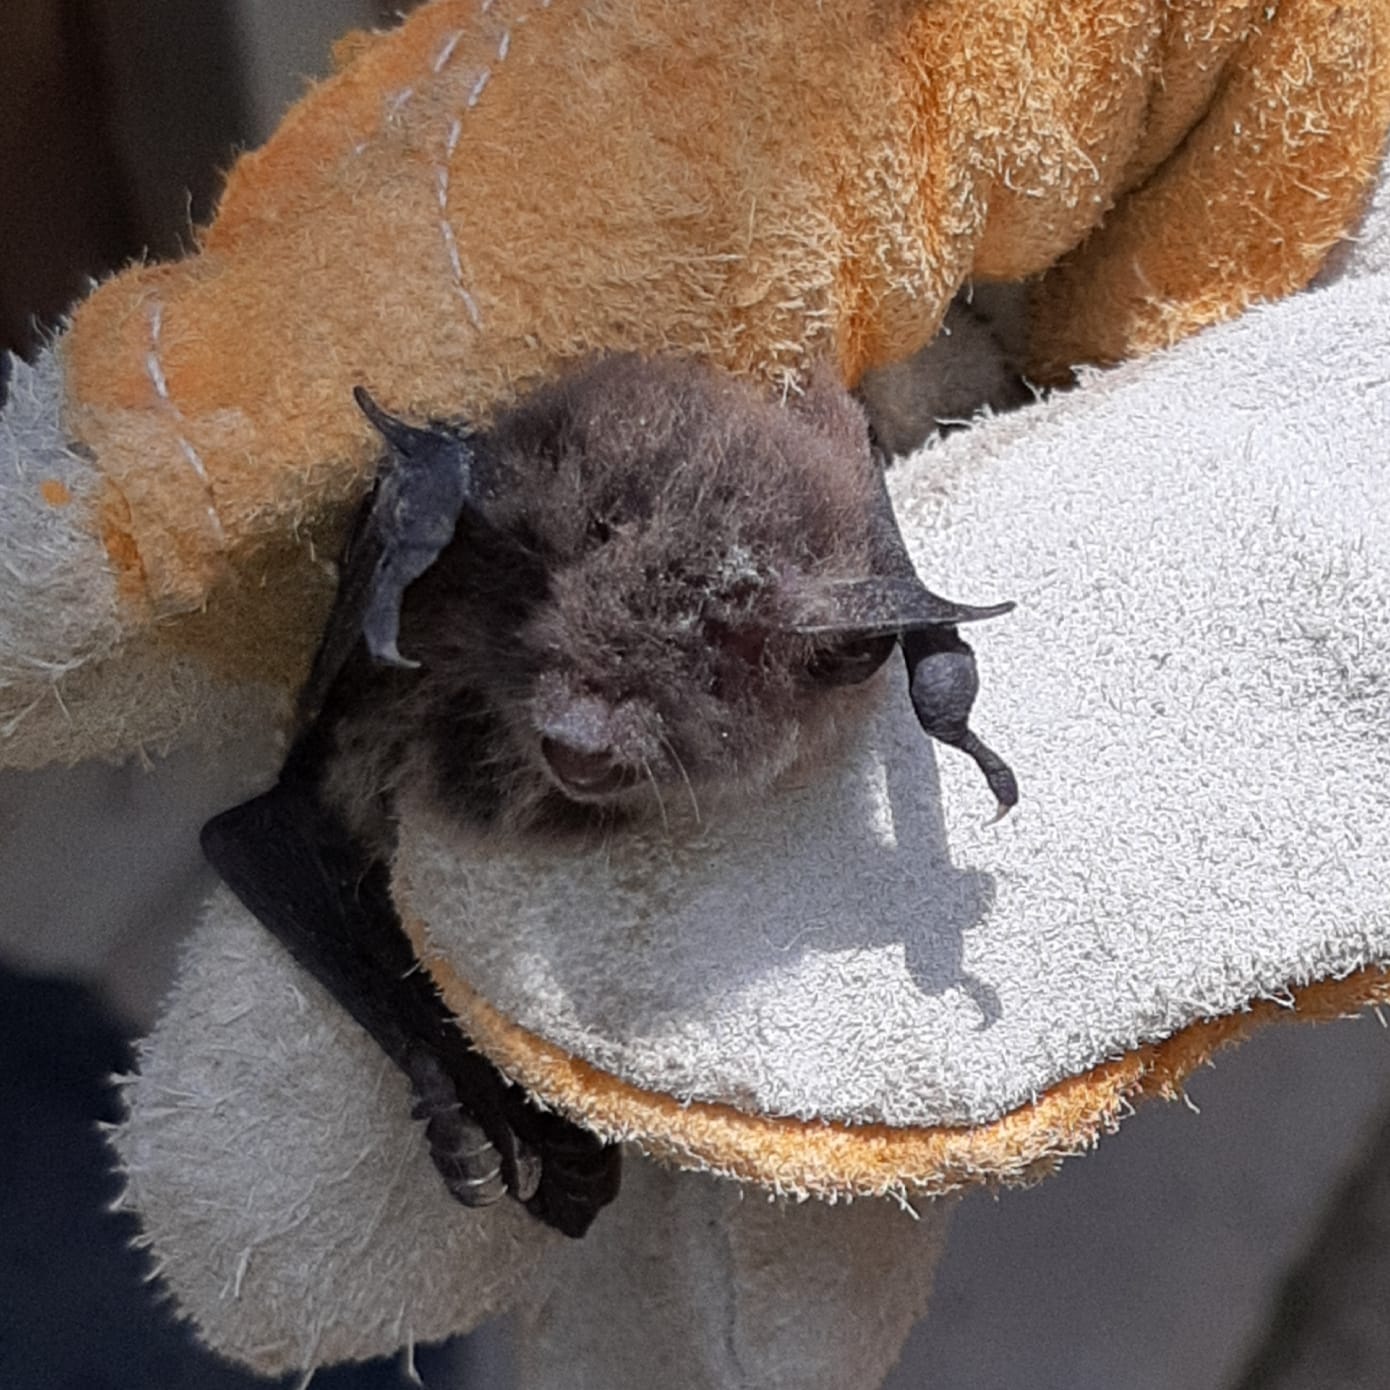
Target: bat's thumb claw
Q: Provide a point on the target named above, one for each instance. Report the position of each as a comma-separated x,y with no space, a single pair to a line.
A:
389,655
528,1172
1001,779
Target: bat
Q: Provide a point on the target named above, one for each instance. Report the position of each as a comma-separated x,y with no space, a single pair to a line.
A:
642,578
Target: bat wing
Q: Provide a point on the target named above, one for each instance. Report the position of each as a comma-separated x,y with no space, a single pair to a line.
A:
294,864
342,632
941,675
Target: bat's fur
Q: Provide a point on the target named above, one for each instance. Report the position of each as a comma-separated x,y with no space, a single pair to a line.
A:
652,530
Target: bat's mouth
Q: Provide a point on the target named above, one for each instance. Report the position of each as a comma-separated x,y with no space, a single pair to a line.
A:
592,748
584,774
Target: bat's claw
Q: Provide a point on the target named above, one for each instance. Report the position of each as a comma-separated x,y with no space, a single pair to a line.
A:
466,1158
390,655
582,1175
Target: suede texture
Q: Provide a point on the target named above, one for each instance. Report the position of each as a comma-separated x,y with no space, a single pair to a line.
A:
1196,687
289,1200
492,189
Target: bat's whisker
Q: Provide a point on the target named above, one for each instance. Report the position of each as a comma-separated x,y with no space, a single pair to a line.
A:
656,791
685,777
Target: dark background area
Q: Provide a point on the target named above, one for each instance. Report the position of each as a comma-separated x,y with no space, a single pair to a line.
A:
117,118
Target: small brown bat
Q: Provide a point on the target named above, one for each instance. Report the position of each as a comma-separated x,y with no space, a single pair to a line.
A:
644,576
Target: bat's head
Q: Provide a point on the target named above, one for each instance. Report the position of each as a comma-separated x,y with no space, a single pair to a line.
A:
661,579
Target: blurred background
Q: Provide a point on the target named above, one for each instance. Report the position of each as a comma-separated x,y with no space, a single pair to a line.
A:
1241,1242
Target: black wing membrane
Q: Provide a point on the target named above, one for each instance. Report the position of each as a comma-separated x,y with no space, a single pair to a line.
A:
342,633
295,867
293,863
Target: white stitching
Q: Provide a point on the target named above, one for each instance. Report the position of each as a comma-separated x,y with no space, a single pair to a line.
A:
398,101
446,230
155,371
394,105
484,78
447,52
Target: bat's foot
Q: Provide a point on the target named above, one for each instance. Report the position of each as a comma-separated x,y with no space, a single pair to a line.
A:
943,683
467,1160
581,1175
293,862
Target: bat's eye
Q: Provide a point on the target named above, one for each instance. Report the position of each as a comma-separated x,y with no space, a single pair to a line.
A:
850,662
742,645
599,530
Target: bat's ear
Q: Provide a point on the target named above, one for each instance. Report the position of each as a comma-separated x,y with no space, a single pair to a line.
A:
425,486
860,619
410,441
879,606
942,678
423,489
